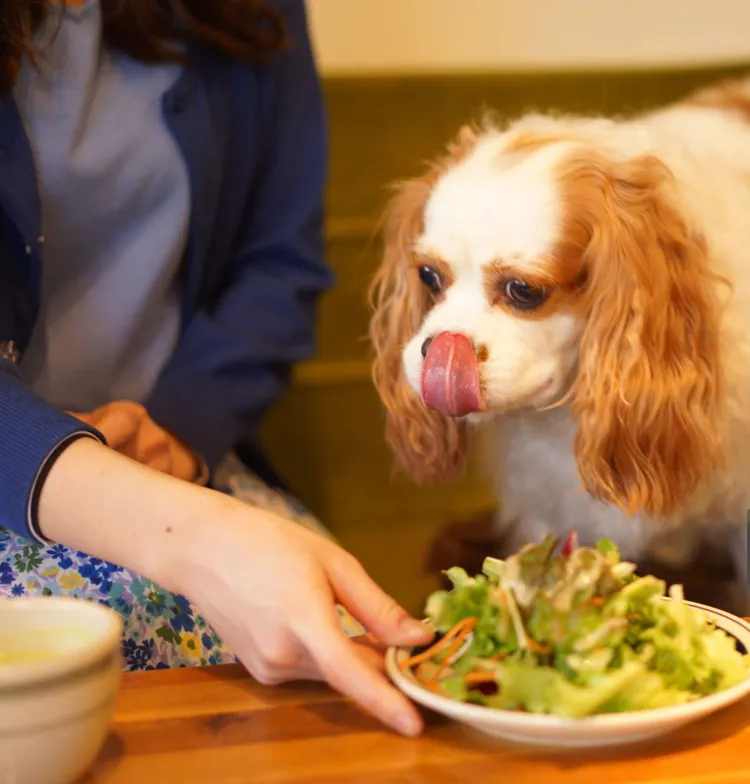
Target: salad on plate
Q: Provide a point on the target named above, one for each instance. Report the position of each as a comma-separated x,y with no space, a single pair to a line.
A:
571,632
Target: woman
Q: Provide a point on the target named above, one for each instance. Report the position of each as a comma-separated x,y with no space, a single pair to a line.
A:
162,165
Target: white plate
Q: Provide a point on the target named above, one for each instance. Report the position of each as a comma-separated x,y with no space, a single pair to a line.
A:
552,731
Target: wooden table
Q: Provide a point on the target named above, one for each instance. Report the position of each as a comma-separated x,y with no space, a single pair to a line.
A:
217,726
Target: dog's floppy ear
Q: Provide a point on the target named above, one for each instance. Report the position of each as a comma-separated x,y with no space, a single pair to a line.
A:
649,389
428,446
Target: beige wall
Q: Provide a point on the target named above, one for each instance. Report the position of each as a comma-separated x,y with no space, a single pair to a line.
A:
356,36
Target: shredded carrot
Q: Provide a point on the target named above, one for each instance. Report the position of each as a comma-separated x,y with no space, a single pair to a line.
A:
455,645
537,648
497,656
597,601
440,644
479,676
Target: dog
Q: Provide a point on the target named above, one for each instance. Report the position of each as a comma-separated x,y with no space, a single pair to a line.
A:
572,295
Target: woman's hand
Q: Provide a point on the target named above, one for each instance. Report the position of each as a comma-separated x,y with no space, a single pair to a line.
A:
266,585
130,431
269,588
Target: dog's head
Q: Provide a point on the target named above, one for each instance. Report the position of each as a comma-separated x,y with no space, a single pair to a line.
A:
545,264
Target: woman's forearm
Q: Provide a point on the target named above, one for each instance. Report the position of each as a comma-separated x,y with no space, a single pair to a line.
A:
111,507
230,560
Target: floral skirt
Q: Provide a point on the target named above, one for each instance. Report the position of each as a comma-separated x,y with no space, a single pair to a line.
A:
161,629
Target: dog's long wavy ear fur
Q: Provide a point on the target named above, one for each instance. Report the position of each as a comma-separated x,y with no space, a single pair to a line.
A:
428,446
649,388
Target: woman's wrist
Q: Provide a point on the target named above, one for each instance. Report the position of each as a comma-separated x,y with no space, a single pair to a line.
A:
193,535
109,506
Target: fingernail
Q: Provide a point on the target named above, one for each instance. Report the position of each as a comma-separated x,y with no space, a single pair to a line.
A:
417,631
408,724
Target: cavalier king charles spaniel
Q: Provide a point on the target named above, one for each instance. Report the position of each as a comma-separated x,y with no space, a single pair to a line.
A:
575,293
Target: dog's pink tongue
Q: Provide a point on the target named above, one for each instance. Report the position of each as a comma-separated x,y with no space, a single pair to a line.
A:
450,378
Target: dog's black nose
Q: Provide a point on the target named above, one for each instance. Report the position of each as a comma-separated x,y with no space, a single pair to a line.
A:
426,346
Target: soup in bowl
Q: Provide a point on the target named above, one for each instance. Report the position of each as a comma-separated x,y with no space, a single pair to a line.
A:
60,670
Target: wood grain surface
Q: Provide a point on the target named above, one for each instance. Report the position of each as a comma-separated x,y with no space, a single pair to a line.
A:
218,726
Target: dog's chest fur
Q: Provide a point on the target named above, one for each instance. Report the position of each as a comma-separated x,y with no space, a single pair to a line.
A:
530,458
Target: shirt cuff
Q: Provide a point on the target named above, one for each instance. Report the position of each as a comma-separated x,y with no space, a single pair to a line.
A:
32,508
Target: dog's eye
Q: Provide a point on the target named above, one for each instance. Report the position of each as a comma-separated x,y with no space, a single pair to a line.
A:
523,295
431,278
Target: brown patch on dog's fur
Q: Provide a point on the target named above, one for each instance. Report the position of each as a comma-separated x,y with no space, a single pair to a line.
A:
428,446
562,283
649,388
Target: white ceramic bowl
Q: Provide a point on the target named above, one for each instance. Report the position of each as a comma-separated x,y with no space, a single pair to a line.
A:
55,709
552,731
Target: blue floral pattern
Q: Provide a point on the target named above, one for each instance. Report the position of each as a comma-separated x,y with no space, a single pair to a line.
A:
161,629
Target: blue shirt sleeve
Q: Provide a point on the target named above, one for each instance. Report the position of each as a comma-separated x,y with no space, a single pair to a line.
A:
237,359
34,434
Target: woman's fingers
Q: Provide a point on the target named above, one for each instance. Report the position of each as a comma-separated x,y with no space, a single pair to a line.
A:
118,425
350,675
349,671
130,431
152,447
371,653
184,464
380,614
369,640
269,669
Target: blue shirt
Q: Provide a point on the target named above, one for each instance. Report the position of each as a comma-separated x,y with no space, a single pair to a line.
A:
253,140
115,207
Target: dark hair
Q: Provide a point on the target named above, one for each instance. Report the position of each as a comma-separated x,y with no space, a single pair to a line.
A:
152,30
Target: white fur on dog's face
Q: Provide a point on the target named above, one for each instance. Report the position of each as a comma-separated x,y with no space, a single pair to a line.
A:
490,211
626,332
